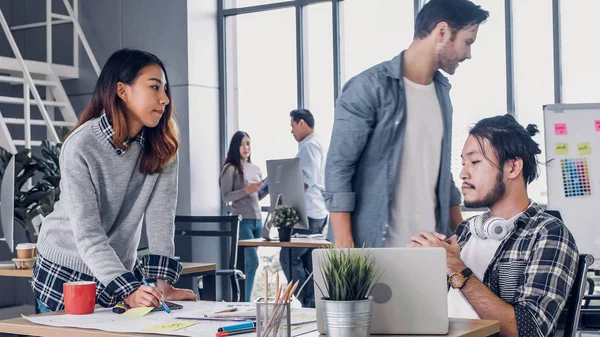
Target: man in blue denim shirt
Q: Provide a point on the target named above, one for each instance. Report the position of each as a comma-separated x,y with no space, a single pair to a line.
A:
388,168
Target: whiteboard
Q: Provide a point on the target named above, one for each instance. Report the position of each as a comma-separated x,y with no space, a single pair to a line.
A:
572,134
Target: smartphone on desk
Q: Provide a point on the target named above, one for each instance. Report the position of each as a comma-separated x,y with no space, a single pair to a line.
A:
171,305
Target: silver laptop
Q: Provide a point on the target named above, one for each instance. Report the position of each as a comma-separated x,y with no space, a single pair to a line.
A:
410,296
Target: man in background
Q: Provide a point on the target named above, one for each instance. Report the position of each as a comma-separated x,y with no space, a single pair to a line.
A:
312,158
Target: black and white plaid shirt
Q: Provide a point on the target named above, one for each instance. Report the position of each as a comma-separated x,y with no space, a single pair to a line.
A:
533,270
49,277
109,132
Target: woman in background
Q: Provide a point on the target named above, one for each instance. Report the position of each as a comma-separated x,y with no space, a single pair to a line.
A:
241,183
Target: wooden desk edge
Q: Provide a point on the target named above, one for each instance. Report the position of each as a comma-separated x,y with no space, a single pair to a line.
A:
24,327
486,327
191,267
21,326
188,268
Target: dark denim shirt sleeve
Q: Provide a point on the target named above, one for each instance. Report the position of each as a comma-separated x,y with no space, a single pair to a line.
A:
355,112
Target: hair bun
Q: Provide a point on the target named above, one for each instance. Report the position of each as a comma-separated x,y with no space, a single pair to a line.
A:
532,129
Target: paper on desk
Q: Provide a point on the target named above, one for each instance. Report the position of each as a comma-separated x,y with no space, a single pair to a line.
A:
243,309
137,312
105,319
171,326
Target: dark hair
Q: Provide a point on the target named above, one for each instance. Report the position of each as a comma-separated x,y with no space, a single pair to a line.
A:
510,140
234,157
161,142
458,14
304,115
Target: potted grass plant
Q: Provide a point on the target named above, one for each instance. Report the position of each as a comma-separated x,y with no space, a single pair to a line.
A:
284,219
349,276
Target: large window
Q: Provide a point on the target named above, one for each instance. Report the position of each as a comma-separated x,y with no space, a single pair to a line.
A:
265,68
318,68
479,84
266,81
374,31
533,73
580,50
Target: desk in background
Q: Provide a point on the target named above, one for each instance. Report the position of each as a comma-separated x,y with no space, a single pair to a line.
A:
294,243
190,269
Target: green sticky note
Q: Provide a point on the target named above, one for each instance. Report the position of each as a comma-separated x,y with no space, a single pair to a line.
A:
562,148
584,148
137,312
171,326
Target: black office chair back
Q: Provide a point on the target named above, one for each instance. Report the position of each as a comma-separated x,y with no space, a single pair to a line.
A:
231,232
569,318
555,214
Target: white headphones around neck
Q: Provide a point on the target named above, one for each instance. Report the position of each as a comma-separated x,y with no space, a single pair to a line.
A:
490,227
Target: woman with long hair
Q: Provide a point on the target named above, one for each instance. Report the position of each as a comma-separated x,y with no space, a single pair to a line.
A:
241,183
118,170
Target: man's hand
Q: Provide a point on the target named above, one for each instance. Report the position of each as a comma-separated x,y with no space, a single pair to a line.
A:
433,239
342,232
344,242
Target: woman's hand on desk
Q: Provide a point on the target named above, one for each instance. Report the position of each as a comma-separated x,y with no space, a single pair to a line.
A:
145,296
175,294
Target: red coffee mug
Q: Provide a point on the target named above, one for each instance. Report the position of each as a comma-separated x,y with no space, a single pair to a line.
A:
80,297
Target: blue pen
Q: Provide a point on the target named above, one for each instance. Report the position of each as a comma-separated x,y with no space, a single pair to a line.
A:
161,302
241,326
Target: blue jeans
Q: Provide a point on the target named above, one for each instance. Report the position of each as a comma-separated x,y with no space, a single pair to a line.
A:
302,263
250,229
41,306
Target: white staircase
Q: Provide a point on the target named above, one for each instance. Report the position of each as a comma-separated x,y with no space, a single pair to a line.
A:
34,76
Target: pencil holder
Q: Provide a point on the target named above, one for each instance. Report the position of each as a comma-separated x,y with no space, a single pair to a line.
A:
273,320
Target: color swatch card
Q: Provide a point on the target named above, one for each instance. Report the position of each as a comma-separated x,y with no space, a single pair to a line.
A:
576,177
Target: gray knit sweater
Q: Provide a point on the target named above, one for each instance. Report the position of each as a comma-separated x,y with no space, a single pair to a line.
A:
233,190
96,225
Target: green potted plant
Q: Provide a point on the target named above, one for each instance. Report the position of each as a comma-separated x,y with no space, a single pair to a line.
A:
349,276
284,219
32,204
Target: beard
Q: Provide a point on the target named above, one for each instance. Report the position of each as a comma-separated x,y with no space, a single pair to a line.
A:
492,197
448,61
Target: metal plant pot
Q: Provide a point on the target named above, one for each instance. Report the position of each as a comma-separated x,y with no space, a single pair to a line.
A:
348,318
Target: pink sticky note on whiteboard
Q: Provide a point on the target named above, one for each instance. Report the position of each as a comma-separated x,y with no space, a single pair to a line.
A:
597,126
560,128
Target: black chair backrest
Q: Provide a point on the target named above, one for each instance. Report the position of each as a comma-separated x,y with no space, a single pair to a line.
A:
231,232
555,214
570,315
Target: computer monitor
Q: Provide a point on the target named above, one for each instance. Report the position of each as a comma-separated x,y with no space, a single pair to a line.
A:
7,207
286,187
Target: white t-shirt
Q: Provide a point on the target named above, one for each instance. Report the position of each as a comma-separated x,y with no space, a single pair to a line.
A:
476,254
312,158
415,198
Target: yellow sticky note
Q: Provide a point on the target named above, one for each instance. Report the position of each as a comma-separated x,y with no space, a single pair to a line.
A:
584,148
562,148
137,312
171,326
